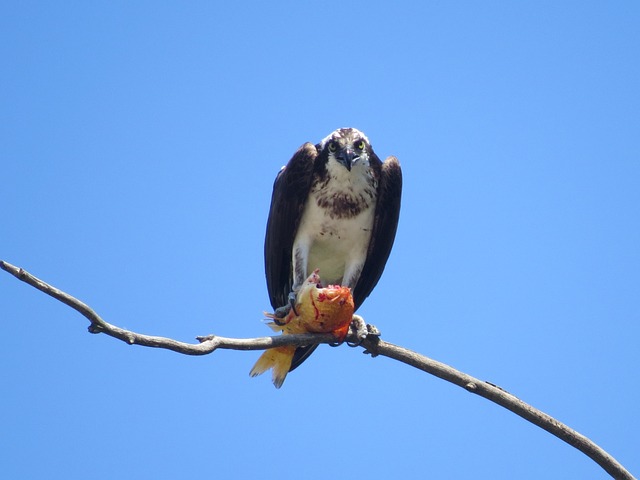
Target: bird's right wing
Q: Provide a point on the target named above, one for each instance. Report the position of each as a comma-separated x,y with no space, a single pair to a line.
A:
290,192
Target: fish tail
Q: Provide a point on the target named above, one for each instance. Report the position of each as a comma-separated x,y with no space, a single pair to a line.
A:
279,359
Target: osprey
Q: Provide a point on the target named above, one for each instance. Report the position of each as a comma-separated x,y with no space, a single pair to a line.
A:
334,207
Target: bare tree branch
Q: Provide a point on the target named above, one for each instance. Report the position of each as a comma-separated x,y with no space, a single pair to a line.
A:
373,345
492,392
207,344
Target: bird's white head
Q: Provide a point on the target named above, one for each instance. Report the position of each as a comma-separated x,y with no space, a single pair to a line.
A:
348,147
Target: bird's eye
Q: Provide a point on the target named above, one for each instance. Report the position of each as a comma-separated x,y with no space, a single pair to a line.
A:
360,145
332,146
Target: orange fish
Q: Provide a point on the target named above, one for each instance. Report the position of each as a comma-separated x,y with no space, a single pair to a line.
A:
320,310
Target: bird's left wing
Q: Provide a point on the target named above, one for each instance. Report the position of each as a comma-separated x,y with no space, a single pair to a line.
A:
385,224
290,192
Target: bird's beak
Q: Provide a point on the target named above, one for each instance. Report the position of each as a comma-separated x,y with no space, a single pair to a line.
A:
347,157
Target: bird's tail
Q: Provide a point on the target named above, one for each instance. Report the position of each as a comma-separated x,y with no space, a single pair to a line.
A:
279,359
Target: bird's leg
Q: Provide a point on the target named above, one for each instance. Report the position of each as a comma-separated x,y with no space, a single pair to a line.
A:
292,302
360,330
300,259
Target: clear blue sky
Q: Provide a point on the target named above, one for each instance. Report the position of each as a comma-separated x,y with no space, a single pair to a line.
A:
138,146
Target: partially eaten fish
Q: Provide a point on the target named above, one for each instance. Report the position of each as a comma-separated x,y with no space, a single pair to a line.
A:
319,310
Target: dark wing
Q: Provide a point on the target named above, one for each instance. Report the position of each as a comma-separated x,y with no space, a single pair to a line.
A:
385,224
290,192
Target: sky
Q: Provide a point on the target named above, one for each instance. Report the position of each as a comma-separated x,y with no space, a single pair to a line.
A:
139,142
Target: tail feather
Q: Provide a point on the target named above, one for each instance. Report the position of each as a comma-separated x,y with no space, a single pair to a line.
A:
279,359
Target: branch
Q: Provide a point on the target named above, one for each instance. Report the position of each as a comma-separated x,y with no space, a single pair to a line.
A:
207,344
492,392
373,345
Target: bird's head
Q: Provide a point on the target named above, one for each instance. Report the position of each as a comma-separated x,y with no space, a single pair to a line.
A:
348,147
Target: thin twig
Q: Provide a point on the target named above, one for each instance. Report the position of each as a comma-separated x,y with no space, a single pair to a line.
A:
373,345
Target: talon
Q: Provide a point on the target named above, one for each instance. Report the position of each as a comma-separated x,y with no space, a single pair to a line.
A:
337,344
280,314
359,331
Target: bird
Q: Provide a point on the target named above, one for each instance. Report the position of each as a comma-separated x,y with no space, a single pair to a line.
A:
335,207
